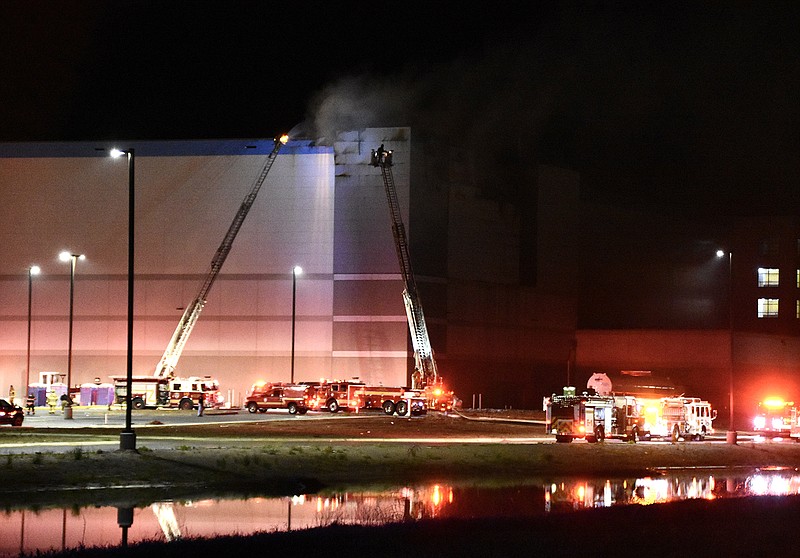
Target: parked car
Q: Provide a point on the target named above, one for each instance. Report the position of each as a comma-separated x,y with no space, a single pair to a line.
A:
11,414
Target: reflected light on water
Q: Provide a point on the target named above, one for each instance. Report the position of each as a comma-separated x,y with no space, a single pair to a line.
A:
41,529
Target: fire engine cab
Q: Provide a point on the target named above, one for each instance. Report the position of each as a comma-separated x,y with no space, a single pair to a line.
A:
689,418
595,417
570,416
774,417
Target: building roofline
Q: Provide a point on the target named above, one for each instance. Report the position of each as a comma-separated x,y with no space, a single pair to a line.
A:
158,148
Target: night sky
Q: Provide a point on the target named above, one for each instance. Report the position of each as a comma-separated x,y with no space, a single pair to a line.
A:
690,106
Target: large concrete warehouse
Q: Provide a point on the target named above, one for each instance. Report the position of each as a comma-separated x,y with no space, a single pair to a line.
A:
498,283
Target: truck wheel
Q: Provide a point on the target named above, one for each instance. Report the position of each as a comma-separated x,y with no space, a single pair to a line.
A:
17,421
562,439
634,435
137,403
186,405
302,410
292,408
333,406
388,407
401,408
252,407
591,439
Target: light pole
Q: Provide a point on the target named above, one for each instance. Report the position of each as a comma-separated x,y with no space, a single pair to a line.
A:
32,270
72,259
296,270
127,438
730,435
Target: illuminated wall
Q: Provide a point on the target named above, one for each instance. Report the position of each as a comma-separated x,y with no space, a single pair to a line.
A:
71,196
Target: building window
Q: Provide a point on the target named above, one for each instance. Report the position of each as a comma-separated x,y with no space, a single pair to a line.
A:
767,307
768,277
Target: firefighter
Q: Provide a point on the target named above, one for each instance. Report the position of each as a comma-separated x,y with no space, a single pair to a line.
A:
30,404
52,400
66,401
201,402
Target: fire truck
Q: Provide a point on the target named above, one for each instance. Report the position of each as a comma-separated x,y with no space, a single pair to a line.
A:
689,418
183,393
293,397
774,417
794,431
570,416
357,396
594,417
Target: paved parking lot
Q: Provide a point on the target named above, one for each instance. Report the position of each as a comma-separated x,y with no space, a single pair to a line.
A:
101,416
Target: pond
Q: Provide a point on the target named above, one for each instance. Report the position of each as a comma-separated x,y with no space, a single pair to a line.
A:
42,529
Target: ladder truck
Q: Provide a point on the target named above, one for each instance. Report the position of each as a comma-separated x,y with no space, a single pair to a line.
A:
425,378
165,370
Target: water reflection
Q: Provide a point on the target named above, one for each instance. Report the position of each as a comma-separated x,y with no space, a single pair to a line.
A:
32,530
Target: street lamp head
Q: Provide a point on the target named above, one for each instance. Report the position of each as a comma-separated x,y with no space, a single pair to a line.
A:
34,270
720,253
66,256
297,270
116,153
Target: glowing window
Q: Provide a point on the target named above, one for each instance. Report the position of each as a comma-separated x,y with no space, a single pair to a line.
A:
768,277
767,307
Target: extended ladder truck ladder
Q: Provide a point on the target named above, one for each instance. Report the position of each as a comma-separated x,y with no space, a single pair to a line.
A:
169,360
425,374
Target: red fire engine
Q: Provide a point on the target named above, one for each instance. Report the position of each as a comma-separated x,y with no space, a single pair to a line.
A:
774,417
356,396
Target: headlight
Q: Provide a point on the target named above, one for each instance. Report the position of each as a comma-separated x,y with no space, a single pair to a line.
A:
759,422
777,423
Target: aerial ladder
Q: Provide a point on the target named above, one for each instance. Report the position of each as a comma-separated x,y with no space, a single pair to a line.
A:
168,362
425,376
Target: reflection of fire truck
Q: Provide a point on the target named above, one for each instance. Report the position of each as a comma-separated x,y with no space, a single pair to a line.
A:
295,398
774,417
594,417
355,396
183,393
682,417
